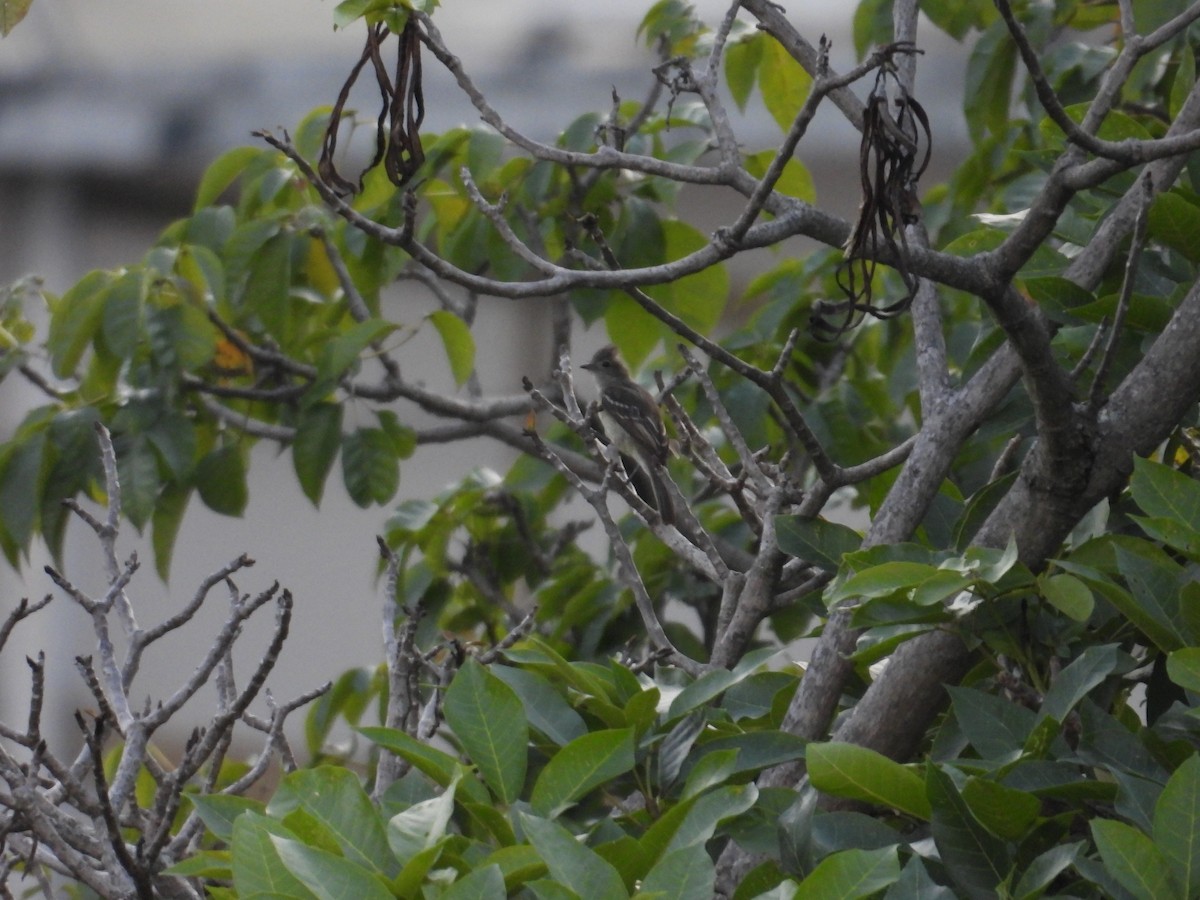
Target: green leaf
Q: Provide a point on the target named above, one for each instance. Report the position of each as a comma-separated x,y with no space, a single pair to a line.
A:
1069,595
334,797
741,67
370,469
1173,220
783,83
1074,682
851,874
1182,83
1164,492
1134,860
489,721
687,874
215,864
1177,824
570,862
318,437
121,322
872,25
585,763
1005,812
881,580
74,320
548,711
21,478
1153,602
459,344
699,299
816,541
857,773
421,827
486,883
1183,668
165,521
343,352
327,875
1040,873
693,822
137,469
219,811
989,84
268,287
440,767
976,860
220,479
257,869
221,174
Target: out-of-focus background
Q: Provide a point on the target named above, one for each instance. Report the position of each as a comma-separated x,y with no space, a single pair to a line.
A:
109,112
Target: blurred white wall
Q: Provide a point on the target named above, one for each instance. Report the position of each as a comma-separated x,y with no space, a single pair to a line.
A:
109,112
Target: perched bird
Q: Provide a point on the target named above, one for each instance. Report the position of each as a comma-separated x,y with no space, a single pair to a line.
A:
632,421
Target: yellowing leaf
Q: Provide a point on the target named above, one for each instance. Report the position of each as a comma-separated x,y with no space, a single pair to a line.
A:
12,12
784,84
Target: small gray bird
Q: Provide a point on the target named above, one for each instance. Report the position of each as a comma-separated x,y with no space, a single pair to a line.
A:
632,421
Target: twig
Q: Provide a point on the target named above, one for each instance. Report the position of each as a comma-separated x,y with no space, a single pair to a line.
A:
1137,244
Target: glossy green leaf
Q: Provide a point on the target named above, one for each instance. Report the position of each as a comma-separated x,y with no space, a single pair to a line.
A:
483,883
1069,595
327,875
817,541
318,438
220,479
1004,811
741,67
268,287
1183,668
489,721
693,822
219,811
1174,220
975,859
879,581
687,874
459,344
1177,824
1165,492
1040,873
857,773
370,469
421,827
1134,860
257,869
989,84
1153,600
74,320
851,874
439,766
584,764
222,173
333,797
21,477
570,862
344,350
547,710
1074,682
120,324
137,469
